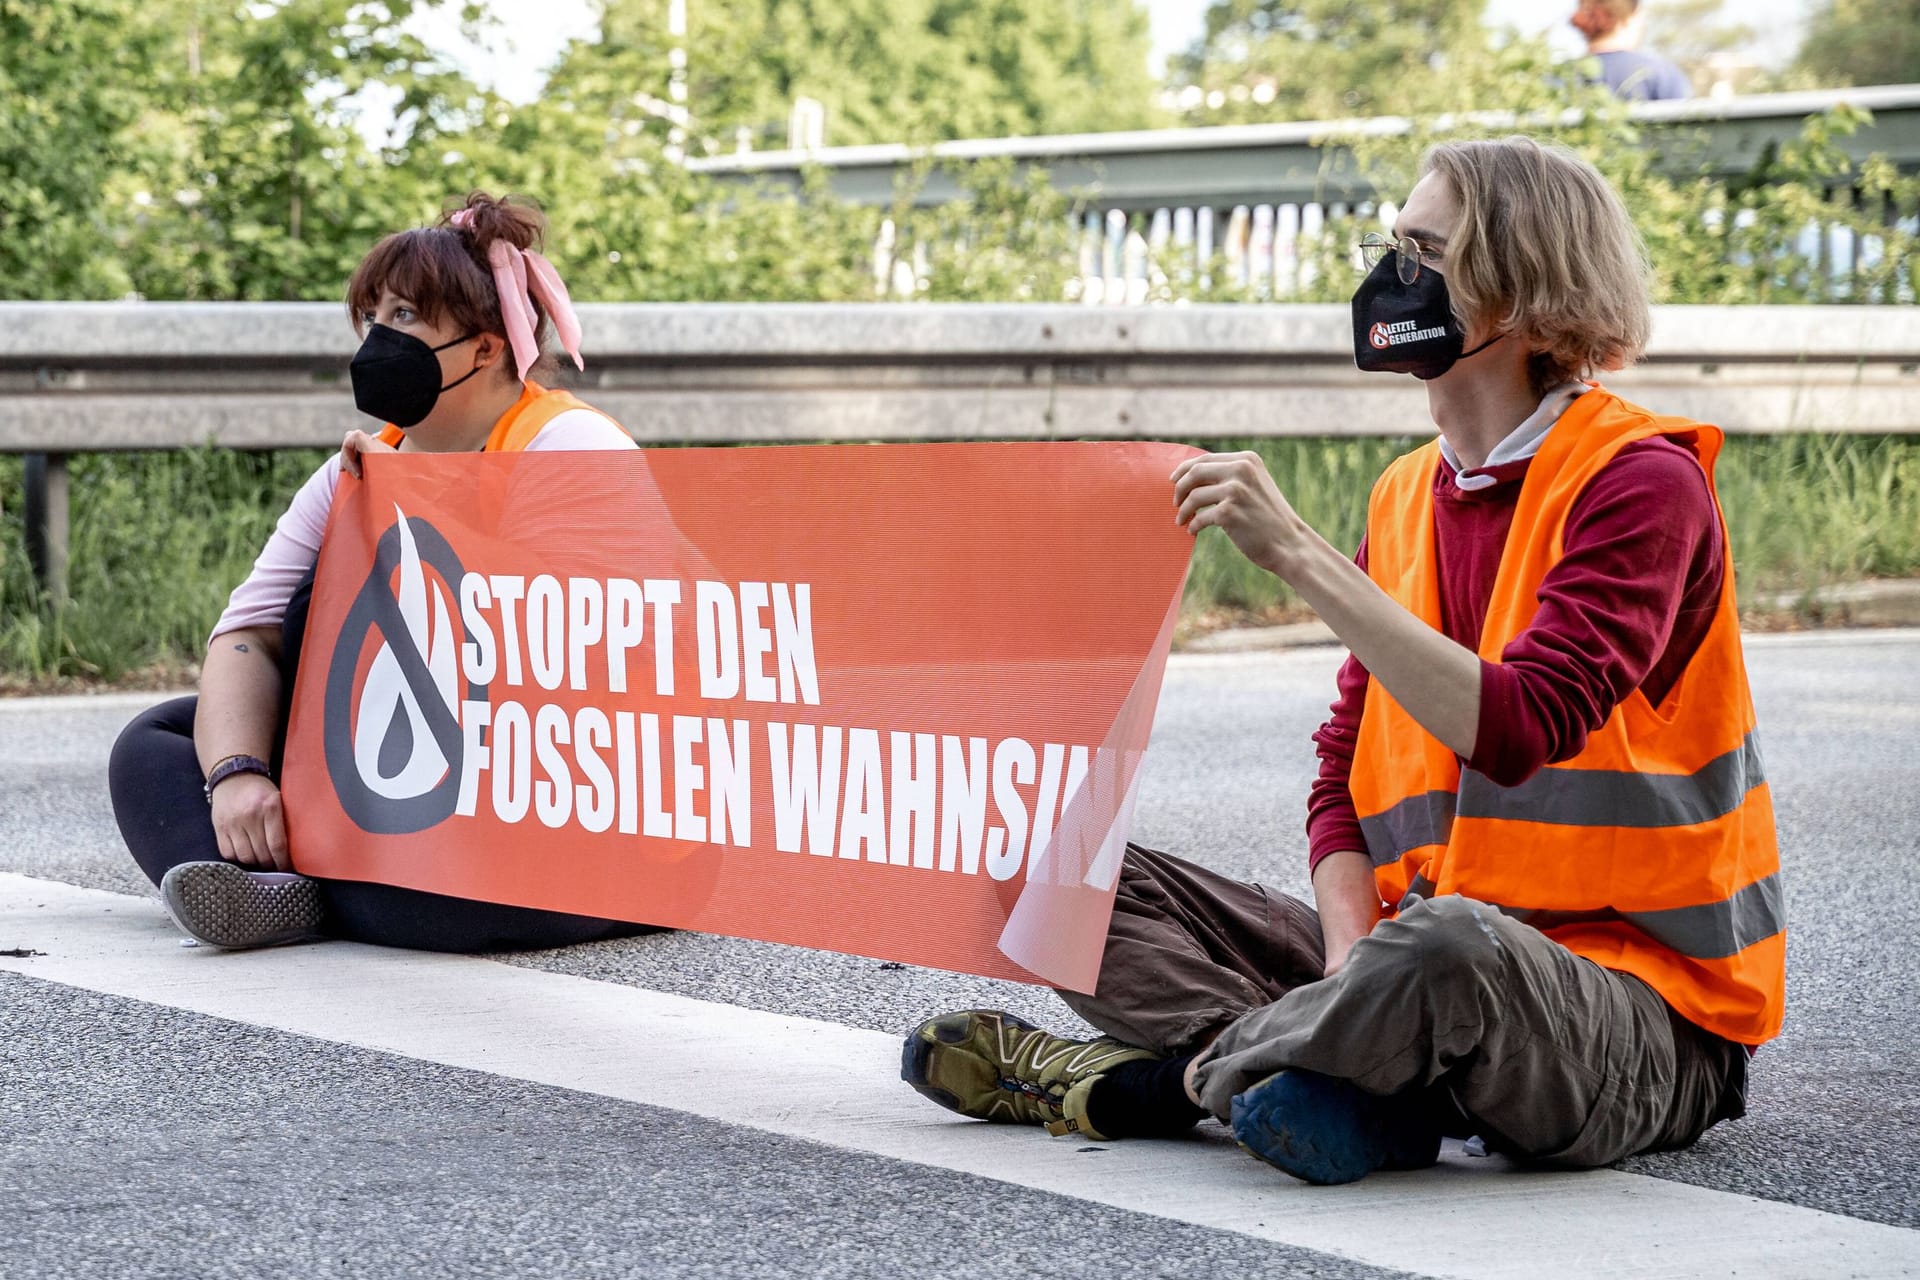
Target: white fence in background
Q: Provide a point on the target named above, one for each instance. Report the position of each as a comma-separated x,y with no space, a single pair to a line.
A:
1267,252
1178,213
1264,251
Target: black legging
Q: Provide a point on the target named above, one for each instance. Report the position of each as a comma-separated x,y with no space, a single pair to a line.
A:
155,780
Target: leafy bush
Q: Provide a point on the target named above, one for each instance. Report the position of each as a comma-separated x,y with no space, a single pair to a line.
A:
180,150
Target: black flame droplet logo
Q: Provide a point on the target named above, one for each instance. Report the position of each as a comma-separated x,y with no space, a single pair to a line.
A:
393,745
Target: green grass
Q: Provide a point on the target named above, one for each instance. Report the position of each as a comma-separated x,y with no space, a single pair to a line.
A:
1806,511
157,542
1803,511
1326,480
160,539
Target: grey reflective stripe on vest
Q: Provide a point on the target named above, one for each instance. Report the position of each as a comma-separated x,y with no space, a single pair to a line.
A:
1604,798
1609,798
1418,820
1716,930
1710,931
1571,798
1421,887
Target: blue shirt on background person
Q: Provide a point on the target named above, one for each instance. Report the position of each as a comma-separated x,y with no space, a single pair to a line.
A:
1642,77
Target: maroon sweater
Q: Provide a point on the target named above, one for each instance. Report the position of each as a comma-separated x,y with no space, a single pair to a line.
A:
1625,608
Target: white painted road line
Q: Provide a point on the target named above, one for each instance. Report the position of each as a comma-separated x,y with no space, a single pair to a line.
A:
838,1086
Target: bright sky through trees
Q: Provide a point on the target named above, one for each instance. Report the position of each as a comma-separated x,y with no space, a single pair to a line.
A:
531,32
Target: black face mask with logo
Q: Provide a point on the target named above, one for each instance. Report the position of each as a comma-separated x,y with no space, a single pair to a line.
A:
1407,328
396,376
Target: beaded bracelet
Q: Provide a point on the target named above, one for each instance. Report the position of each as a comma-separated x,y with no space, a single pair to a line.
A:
231,765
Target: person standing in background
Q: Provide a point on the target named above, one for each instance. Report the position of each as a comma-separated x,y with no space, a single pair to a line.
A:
1614,30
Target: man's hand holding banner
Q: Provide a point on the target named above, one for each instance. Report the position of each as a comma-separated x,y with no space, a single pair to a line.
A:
885,700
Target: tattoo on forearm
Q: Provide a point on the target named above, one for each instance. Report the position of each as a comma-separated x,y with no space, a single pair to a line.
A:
242,648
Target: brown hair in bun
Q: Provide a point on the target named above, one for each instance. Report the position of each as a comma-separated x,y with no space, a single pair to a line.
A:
444,269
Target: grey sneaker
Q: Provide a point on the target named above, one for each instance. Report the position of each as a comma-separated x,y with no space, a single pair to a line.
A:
994,1066
227,906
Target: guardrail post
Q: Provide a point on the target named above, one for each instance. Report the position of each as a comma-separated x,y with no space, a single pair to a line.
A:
46,518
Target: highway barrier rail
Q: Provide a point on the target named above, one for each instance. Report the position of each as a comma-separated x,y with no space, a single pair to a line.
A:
1165,209
91,377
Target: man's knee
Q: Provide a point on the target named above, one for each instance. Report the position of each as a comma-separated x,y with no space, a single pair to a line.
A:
1448,936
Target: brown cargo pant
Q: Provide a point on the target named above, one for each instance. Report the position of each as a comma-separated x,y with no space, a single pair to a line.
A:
1545,1054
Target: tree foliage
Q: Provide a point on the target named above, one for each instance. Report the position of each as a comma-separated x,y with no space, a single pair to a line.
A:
885,70
1322,59
1863,42
1769,236
199,148
71,92
1697,36
212,149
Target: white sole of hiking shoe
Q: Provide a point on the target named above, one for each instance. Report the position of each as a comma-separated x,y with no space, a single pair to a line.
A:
230,907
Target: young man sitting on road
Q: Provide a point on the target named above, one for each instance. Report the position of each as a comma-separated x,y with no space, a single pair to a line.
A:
1543,854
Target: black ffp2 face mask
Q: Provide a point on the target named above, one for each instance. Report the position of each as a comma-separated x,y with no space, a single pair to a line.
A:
396,376
1407,328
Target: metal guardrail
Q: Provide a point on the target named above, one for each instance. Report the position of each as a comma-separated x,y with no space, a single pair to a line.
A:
1184,212
93,377
1304,162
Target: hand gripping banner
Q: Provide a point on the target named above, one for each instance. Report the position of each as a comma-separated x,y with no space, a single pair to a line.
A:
887,700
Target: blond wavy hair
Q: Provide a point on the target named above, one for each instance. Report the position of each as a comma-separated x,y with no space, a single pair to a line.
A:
1544,250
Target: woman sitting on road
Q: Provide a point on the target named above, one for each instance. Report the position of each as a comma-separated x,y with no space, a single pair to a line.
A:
452,318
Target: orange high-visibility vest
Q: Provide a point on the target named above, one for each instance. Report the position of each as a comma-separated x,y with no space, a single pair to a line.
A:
536,407
1652,851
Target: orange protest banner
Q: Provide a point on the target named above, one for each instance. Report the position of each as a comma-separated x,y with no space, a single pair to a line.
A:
888,700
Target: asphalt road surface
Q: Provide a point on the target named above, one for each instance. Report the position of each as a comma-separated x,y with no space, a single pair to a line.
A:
691,1105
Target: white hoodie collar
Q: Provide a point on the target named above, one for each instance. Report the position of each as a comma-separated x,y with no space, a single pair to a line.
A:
1522,442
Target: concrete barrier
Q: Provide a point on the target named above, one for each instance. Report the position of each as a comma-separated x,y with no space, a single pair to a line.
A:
90,377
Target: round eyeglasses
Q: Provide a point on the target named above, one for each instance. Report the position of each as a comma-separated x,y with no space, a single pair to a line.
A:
1406,250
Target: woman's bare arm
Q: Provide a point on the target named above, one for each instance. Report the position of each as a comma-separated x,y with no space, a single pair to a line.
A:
239,715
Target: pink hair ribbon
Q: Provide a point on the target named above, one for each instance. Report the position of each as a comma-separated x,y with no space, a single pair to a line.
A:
519,277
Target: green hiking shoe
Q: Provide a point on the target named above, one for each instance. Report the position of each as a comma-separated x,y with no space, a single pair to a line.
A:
994,1066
